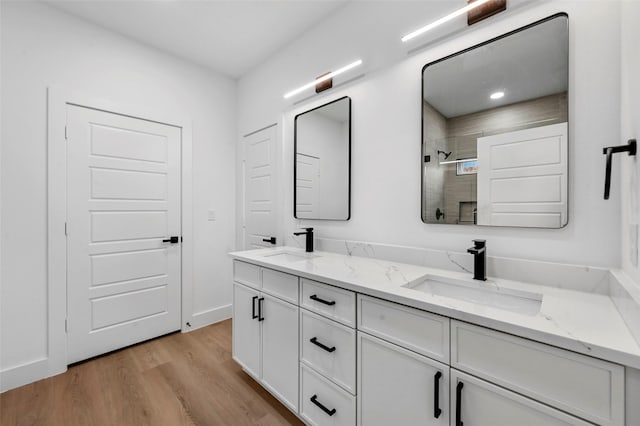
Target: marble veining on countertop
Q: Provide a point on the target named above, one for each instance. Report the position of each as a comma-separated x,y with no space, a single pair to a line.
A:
584,322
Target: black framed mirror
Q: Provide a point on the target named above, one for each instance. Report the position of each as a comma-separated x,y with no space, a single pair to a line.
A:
495,131
322,162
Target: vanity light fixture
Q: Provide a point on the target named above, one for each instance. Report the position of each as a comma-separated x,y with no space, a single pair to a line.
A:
497,95
444,19
323,78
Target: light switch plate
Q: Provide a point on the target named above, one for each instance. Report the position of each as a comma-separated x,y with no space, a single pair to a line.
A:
211,215
633,244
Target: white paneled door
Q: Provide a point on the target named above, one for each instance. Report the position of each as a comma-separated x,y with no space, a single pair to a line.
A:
522,177
307,186
260,224
123,207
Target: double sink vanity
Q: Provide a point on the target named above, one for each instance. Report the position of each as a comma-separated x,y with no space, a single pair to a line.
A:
345,340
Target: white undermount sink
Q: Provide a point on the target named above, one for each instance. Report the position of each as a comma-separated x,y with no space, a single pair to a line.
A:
289,256
482,293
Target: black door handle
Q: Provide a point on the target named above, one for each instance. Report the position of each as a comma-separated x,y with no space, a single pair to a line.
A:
172,240
314,340
260,317
317,299
253,307
271,240
436,395
314,399
459,404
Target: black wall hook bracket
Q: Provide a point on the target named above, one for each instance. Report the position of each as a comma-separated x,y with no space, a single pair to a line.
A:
630,147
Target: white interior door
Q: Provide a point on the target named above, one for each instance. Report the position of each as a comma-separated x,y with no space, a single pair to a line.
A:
260,188
123,189
307,186
522,178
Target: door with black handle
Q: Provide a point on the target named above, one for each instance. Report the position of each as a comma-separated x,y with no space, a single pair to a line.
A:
280,347
399,386
246,328
476,402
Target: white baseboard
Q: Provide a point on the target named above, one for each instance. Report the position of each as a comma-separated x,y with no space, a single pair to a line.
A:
27,373
211,316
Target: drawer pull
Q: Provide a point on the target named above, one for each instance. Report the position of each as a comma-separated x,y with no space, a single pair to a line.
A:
314,399
459,404
260,317
253,307
436,395
317,299
314,340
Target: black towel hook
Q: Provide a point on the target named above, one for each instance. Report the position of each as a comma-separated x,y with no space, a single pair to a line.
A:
630,147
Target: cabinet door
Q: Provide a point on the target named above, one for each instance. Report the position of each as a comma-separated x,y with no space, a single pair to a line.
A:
400,387
246,329
280,349
479,403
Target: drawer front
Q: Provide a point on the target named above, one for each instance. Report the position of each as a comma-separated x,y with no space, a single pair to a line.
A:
586,387
332,351
279,284
247,274
484,404
328,397
419,331
332,302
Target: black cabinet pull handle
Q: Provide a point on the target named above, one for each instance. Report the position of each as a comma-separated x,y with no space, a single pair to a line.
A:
260,317
436,395
314,340
317,299
253,307
314,399
459,404
172,240
271,240
630,147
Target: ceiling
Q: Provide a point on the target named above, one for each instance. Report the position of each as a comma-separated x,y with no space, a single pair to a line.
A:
230,37
526,65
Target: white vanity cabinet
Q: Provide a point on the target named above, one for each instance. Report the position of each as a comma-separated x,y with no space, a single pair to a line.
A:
580,385
399,387
480,403
337,357
265,329
397,383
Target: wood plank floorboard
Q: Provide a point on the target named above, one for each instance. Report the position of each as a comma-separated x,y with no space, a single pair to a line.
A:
178,379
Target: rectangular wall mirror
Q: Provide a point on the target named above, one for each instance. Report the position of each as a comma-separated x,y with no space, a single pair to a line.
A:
322,164
495,131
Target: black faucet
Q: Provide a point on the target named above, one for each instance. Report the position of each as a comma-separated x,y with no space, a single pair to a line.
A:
309,234
479,252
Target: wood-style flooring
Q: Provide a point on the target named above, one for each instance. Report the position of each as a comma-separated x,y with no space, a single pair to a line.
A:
178,379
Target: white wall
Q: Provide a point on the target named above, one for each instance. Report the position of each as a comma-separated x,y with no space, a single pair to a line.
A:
42,47
630,128
386,126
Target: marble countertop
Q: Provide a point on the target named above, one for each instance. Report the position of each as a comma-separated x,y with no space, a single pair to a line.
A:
587,323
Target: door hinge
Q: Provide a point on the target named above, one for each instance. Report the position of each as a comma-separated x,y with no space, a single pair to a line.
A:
66,325
66,232
66,133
